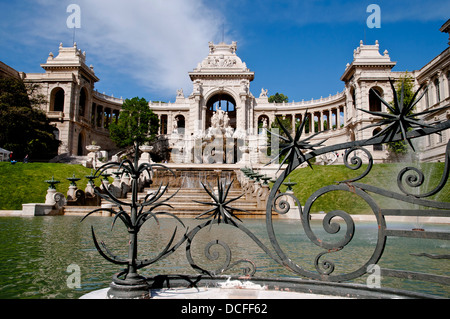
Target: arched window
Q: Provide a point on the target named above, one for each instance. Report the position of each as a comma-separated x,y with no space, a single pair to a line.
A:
223,102
163,125
57,100
448,82
374,101
83,102
438,93
181,123
377,147
353,94
263,122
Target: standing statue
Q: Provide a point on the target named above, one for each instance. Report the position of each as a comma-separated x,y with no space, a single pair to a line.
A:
264,123
175,125
221,115
215,120
226,120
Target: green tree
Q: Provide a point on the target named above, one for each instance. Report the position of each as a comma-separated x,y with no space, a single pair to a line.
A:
25,128
400,148
136,123
278,98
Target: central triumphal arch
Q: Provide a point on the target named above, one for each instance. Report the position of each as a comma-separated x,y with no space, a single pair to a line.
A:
215,123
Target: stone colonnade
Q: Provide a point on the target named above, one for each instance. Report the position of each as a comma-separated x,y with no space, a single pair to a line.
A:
323,114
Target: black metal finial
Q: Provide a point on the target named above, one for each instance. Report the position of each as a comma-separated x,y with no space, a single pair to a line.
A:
221,210
293,147
128,283
401,117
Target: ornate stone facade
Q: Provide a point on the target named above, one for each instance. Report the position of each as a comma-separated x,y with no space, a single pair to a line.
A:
80,113
223,79
222,100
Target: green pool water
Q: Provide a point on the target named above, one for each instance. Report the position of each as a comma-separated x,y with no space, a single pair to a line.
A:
37,252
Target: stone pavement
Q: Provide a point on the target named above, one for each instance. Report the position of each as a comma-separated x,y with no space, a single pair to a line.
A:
218,293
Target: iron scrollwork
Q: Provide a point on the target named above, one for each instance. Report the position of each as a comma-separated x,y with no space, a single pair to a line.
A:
401,125
225,214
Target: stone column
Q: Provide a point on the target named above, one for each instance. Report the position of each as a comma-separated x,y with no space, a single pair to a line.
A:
337,118
321,127
240,114
440,86
102,118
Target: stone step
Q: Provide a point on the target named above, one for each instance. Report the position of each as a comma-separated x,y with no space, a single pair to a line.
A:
183,196
184,211
191,193
81,211
188,203
183,203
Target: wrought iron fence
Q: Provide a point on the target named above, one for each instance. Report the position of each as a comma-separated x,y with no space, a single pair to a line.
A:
327,276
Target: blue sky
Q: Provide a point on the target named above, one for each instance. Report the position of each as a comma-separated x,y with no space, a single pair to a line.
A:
146,48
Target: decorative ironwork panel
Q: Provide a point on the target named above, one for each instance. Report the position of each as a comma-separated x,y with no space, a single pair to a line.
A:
400,123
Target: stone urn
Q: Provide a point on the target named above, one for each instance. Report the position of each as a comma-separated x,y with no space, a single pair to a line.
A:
93,148
145,157
245,156
92,155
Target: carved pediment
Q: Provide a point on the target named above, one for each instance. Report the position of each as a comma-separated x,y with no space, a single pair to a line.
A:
222,56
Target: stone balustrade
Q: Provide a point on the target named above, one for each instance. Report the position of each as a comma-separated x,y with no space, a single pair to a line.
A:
254,186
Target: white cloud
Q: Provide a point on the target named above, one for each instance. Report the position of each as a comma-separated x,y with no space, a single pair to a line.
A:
155,42
158,41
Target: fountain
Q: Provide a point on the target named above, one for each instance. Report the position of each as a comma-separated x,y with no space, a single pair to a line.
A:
52,182
265,179
73,193
53,197
105,180
289,184
90,184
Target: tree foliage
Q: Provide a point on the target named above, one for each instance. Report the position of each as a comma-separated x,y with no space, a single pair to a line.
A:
278,98
25,128
136,123
400,148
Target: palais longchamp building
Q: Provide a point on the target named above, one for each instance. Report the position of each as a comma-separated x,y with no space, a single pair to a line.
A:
222,103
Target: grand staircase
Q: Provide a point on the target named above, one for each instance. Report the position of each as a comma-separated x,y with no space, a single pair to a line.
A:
186,184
